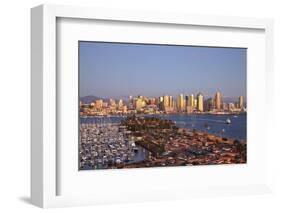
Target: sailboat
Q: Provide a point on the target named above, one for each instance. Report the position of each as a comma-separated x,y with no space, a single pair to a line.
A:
228,121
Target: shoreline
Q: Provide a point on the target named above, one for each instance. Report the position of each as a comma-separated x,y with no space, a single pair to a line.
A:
159,114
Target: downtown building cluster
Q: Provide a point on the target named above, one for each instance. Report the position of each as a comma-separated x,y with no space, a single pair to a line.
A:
164,104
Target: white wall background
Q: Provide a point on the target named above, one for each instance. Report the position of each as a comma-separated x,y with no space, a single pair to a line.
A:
15,103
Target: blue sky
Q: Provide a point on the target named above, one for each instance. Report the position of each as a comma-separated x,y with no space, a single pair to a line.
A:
117,70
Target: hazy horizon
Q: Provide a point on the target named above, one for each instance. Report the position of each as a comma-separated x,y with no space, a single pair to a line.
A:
117,70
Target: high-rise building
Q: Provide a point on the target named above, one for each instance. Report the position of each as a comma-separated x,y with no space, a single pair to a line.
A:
188,103
174,104
187,100
180,102
191,100
183,103
200,102
131,102
139,104
209,104
166,101
112,102
241,102
131,99
171,102
218,101
161,103
120,103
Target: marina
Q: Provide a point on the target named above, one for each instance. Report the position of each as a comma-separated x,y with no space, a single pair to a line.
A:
105,145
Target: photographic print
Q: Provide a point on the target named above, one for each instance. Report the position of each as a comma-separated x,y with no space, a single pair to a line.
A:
156,105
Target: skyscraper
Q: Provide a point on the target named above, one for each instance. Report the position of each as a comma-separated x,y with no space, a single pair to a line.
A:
166,101
209,104
171,101
130,99
112,102
218,101
187,100
191,100
161,103
120,103
139,103
241,102
180,102
200,102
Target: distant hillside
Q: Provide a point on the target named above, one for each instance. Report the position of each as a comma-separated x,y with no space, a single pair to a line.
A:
90,98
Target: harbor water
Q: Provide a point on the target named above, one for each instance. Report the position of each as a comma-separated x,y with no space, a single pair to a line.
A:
212,124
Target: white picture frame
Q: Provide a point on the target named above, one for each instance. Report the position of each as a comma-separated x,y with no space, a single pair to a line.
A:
44,149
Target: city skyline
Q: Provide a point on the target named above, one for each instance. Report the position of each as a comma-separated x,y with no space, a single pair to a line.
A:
182,104
115,70
126,98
